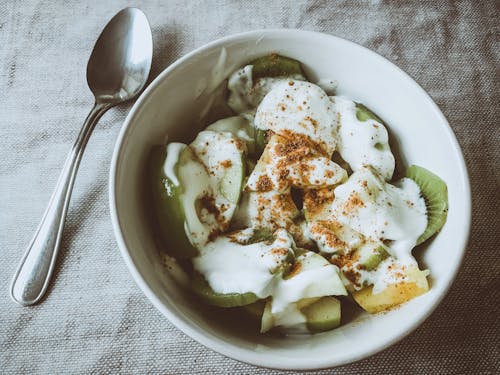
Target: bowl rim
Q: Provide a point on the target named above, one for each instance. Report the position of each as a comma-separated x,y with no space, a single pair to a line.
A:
228,349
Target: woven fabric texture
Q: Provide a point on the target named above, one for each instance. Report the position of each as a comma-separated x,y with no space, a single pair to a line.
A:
95,319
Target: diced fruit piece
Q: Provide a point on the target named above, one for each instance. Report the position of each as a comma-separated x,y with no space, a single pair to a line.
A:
168,208
371,258
269,209
275,65
285,164
329,236
435,193
364,114
393,294
318,204
201,287
322,315
310,276
334,238
223,156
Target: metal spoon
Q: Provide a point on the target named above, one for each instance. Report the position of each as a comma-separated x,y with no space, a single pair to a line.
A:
117,71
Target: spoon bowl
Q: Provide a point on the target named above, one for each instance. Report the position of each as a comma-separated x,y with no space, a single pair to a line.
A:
121,58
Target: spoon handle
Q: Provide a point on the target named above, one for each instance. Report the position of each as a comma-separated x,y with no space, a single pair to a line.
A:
33,273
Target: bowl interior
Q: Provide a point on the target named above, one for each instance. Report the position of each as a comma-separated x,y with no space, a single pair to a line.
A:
175,107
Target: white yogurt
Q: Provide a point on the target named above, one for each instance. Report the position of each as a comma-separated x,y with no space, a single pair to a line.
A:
245,93
362,143
174,150
316,278
309,170
231,267
381,211
300,107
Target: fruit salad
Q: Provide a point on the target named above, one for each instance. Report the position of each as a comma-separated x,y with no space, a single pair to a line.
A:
290,208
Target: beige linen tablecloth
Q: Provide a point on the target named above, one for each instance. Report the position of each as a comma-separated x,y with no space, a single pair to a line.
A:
95,319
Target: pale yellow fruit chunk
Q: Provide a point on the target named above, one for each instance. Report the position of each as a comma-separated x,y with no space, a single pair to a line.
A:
393,294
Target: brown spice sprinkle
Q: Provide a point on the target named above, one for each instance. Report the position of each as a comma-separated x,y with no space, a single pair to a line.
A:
295,269
293,154
279,251
316,199
353,276
239,144
292,145
303,140
349,263
208,202
277,212
329,236
196,157
226,163
298,236
262,203
283,174
234,237
353,202
213,235
283,203
400,275
312,121
264,183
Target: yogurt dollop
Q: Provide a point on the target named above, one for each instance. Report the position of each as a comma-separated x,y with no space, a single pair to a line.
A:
379,210
299,107
362,143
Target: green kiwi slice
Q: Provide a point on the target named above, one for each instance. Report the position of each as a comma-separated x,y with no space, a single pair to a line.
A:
275,65
201,287
168,206
374,258
435,193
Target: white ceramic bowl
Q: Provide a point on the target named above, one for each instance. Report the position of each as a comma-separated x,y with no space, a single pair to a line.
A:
169,107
